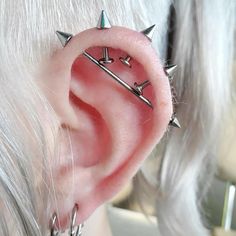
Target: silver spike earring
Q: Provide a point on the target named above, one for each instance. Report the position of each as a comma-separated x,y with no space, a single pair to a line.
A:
170,71
104,23
149,34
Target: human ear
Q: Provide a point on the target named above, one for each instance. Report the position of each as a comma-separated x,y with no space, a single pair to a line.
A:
111,130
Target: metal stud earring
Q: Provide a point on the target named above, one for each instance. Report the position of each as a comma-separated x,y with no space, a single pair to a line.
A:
149,34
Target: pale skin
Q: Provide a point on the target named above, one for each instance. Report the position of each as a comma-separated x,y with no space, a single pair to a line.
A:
112,131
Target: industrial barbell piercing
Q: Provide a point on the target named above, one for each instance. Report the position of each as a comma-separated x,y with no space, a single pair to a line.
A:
148,32
139,87
174,121
106,59
117,79
75,230
53,225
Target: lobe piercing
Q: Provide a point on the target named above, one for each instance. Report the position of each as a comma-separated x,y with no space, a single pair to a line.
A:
53,228
139,87
64,37
116,78
103,22
170,71
174,122
75,230
149,34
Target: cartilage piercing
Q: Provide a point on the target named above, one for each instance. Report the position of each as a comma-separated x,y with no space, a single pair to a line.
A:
116,78
64,37
170,71
149,34
174,121
106,59
139,87
126,60
104,23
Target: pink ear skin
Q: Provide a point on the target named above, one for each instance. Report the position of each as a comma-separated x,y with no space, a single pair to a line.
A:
111,130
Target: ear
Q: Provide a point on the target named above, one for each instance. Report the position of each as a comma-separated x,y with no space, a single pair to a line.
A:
111,130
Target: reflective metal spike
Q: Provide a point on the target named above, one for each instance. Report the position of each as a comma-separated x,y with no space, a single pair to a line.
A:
170,70
139,87
103,22
106,58
174,122
126,60
149,32
64,37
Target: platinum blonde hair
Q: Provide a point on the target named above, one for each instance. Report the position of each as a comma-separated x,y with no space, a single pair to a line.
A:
203,49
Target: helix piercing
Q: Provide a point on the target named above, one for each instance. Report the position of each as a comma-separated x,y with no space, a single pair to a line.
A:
149,34
170,71
116,78
174,121
139,87
104,23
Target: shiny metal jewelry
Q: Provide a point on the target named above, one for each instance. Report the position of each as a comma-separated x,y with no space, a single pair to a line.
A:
73,229
139,87
174,121
104,23
53,225
149,34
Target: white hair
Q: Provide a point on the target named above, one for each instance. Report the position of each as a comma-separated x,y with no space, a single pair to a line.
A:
203,50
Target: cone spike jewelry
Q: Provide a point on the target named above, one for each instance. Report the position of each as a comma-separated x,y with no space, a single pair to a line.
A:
103,22
149,32
174,122
170,70
64,37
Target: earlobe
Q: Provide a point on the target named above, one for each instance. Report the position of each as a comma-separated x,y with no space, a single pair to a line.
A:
111,130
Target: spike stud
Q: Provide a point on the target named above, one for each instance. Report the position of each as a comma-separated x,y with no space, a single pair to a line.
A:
149,32
174,122
103,22
64,37
170,71
106,59
139,87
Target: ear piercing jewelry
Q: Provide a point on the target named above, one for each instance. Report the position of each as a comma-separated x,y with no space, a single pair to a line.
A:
169,71
149,34
73,230
104,23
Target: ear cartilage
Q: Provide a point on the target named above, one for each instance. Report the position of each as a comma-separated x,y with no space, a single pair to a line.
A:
103,21
170,71
106,59
149,32
139,87
126,60
174,122
117,79
64,37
